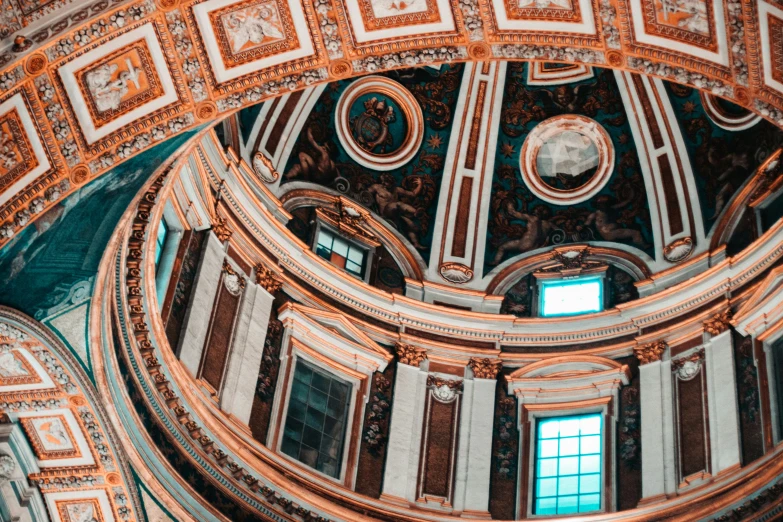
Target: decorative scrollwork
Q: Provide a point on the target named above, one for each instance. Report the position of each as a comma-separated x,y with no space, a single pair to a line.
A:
444,390
688,367
234,282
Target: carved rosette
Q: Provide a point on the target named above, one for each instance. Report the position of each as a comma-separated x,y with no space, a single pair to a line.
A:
485,368
234,282
221,230
650,352
268,279
444,390
688,367
718,323
410,355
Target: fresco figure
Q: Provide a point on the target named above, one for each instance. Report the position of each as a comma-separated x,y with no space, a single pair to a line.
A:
538,228
392,206
607,226
321,170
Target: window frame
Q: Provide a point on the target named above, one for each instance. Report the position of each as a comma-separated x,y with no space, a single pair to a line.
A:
369,252
359,384
544,280
334,344
536,412
308,361
535,431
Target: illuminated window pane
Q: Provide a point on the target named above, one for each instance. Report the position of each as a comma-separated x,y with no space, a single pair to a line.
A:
341,253
568,465
160,242
315,423
571,297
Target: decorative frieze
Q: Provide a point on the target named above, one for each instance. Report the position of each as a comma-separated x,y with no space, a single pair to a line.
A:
650,352
410,355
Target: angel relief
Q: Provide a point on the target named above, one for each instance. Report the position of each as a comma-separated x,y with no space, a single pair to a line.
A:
518,225
252,26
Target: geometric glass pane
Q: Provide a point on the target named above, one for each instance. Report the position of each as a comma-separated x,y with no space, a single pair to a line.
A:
340,252
311,436
568,466
571,297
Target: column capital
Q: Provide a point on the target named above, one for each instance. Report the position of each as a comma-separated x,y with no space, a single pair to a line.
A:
718,323
221,230
268,279
484,368
410,355
651,352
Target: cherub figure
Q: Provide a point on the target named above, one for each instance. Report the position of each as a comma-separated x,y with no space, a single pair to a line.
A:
322,170
8,155
564,98
251,25
106,93
607,226
735,166
391,206
538,229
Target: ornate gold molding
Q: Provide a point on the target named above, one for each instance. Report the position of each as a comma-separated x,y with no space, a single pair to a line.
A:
485,368
410,355
268,279
221,230
718,323
650,352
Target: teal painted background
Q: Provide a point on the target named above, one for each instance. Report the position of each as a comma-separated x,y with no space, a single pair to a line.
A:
64,246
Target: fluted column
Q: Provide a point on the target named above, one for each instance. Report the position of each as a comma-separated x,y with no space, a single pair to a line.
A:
475,455
405,427
722,394
247,349
652,376
197,317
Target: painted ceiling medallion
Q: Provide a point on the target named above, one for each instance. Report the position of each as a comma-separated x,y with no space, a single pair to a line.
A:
567,159
379,123
727,115
678,250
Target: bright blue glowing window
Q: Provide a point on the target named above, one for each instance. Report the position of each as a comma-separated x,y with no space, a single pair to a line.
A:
160,241
568,465
571,296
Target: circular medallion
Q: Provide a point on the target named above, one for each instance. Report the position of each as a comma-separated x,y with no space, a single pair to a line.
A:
379,123
567,159
79,174
36,63
206,110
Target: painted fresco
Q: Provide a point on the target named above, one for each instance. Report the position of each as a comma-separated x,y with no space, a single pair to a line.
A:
721,160
519,221
407,196
63,247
